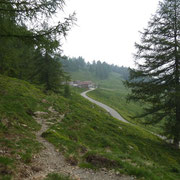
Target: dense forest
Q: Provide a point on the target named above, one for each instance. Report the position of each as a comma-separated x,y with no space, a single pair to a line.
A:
100,69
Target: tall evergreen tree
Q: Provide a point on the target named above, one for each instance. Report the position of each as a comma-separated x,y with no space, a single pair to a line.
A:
157,77
29,40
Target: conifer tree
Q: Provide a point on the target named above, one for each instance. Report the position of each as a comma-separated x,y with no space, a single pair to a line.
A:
29,41
156,80
35,15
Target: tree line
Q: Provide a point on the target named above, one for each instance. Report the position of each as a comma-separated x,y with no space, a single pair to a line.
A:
29,43
100,69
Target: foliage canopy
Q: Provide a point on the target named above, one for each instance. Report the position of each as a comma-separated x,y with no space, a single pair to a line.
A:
29,42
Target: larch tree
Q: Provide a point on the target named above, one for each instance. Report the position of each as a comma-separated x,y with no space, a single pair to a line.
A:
28,28
156,79
35,15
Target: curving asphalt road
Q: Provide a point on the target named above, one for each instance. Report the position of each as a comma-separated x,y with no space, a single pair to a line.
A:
116,115
111,111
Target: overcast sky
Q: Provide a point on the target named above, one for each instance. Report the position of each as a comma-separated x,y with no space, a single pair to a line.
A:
107,29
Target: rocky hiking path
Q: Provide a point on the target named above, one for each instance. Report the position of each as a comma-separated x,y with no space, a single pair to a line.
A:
49,160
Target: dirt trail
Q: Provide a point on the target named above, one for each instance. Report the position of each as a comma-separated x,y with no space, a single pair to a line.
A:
50,160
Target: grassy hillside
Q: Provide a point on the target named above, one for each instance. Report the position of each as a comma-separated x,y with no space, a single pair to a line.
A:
83,76
117,100
91,138
112,92
18,102
87,136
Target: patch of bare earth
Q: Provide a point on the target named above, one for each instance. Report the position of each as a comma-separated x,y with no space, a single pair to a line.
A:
49,160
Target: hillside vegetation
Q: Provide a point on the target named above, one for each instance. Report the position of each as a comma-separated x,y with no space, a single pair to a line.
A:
90,138
96,70
18,102
114,81
87,136
111,91
46,127
129,110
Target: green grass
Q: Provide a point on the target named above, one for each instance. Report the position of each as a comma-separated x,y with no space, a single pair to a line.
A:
117,100
77,89
112,92
113,81
89,137
18,102
129,110
83,76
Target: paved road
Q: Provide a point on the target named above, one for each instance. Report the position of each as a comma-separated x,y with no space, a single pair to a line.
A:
111,111
116,115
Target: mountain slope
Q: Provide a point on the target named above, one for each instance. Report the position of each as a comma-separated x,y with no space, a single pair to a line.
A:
112,92
91,138
18,144
87,136
114,81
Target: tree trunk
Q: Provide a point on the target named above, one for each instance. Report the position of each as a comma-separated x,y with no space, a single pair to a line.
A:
176,142
177,85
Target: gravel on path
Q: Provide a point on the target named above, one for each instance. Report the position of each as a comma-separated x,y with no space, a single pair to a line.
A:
50,160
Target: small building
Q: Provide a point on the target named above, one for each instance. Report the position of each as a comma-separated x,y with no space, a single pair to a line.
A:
85,84
82,84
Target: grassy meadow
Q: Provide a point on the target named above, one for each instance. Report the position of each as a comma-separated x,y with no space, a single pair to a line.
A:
18,102
112,92
87,136
90,138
